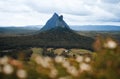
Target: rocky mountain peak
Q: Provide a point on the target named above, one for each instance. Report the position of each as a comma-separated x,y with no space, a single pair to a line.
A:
54,22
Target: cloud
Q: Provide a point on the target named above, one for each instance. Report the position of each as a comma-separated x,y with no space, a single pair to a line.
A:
23,19
76,7
34,12
111,1
13,7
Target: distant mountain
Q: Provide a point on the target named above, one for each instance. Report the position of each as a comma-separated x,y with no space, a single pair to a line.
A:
55,21
12,28
95,28
19,30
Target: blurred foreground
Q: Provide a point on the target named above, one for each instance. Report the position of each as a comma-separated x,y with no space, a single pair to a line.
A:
104,63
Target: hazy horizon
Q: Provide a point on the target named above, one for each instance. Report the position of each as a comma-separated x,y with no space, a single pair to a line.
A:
93,25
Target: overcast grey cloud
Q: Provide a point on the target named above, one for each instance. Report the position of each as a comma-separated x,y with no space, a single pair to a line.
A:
111,1
75,12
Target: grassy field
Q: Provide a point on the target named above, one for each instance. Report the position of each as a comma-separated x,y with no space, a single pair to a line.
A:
103,63
63,63
54,38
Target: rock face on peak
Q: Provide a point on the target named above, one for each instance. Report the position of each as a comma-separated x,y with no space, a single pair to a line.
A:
54,22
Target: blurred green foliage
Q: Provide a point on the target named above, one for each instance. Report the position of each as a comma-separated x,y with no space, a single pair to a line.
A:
104,63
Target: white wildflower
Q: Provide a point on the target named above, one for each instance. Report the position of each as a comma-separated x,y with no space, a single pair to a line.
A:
38,59
47,59
85,67
53,73
87,59
72,70
8,69
110,44
44,62
66,64
79,59
66,51
59,59
21,73
4,60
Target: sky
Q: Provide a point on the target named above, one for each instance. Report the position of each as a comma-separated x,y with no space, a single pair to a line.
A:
75,12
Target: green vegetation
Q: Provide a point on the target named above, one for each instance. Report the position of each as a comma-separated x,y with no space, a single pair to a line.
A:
55,38
104,63
59,54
